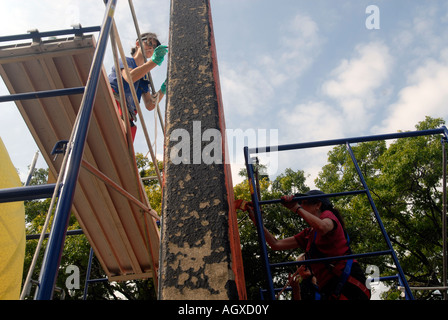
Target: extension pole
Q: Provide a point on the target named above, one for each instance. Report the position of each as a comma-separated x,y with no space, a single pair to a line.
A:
32,167
151,82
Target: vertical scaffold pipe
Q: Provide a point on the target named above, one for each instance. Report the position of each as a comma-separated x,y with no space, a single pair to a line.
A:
259,224
55,244
402,277
444,222
200,247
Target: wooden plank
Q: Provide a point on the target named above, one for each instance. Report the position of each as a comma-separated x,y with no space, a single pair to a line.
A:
125,238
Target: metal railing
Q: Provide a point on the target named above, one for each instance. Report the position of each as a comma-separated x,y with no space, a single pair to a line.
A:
257,202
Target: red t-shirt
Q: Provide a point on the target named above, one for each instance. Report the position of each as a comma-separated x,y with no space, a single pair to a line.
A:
332,244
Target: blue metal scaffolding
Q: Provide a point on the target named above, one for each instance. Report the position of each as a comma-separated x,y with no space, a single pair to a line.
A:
66,188
73,149
268,267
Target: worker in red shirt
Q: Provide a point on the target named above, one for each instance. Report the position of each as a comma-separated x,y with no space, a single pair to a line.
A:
325,237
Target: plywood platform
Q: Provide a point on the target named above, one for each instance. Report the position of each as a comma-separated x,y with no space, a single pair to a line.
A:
120,229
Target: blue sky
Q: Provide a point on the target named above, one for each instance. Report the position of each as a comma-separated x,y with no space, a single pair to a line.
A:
300,70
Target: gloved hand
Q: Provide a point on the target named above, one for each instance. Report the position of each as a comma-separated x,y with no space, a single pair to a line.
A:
163,87
159,54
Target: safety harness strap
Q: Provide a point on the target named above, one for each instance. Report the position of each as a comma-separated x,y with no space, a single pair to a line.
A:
344,276
347,270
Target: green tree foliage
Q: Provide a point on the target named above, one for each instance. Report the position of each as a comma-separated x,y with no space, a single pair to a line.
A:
150,181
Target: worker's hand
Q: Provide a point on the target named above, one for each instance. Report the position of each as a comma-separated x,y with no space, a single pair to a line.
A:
294,279
287,201
159,54
163,87
304,271
251,212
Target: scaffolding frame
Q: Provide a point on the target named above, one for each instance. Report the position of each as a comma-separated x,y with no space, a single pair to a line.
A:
64,188
257,202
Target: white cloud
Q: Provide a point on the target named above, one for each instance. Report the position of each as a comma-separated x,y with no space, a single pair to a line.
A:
425,95
311,121
244,89
352,88
294,53
254,83
355,82
300,44
359,76
424,33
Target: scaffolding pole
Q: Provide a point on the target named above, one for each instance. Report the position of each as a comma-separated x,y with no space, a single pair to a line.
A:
444,201
383,230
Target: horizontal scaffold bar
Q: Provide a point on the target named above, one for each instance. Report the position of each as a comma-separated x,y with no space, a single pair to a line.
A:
325,143
328,259
27,193
46,235
55,33
328,195
42,94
